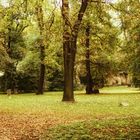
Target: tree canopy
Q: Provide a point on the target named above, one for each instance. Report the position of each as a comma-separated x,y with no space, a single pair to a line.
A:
48,44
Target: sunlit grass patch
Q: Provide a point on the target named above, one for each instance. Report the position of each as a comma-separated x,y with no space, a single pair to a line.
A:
106,104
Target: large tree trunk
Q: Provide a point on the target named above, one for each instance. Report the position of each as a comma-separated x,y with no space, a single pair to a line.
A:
68,55
68,72
89,83
70,35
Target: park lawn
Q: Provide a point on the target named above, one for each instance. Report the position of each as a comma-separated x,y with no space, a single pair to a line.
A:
27,116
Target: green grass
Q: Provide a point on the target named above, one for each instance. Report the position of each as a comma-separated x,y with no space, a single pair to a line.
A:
127,129
88,112
105,104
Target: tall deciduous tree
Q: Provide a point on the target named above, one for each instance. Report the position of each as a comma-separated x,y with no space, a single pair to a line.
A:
70,35
89,83
128,14
15,23
39,14
44,26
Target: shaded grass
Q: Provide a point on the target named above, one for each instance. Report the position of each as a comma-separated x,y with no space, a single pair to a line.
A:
94,130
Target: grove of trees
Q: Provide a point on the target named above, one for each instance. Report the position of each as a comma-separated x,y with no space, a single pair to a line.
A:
68,44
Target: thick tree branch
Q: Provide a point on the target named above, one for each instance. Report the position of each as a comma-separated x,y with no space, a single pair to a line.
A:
80,17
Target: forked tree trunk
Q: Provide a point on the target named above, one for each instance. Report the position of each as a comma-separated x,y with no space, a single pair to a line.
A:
70,35
68,55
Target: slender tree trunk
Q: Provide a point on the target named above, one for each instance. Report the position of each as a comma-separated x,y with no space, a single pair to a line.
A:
10,70
89,83
41,80
42,71
39,13
70,35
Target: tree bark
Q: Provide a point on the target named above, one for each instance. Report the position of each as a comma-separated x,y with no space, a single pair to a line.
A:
70,35
68,55
42,71
89,83
39,13
10,68
68,72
